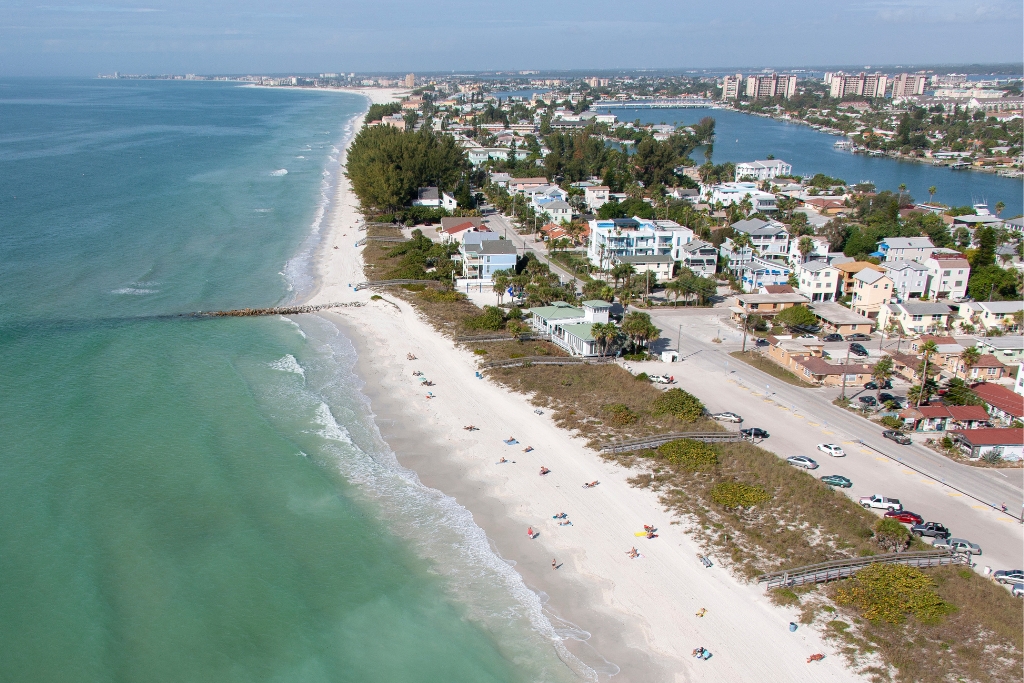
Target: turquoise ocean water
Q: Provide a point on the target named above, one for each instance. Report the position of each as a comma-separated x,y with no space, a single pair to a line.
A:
209,500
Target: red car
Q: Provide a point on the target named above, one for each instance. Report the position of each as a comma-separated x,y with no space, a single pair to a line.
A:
905,516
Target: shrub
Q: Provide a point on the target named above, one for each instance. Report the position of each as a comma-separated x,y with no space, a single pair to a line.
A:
889,592
731,494
689,454
642,377
993,455
376,297
437,296
892,422
415,287
491,319
480,352
621,414
891,536
679,403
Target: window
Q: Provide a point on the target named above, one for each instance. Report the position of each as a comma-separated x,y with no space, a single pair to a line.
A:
917,318
946,272
959,283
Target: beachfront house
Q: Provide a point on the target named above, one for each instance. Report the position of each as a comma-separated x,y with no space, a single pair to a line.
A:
915,316
1007,444
728,194
871,289
947,276
907,248
700,257
765,305
455,229
765,169
434,198
571,327
1003,405
481,257
614,237
909,278
765,260
838,318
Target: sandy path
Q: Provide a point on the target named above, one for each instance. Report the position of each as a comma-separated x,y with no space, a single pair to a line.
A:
641,613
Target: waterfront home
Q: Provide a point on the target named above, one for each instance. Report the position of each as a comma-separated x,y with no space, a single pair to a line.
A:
635,237
907,248
762,170
871,290
992,314
947,276
661,265
1003,405
939,418
432,197
728,194
840,319
817,280
765,305
700,257
1007,444
1007,348
915,316
571,327
455,229
596,197
909,278
481,259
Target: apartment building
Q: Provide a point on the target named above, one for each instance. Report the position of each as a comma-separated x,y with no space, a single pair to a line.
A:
763,86
635,237
871,290
731,87
909,278
908,248
915,316
765,169
947,276
700,257
596,196
906,85
863,85
728,194
818,281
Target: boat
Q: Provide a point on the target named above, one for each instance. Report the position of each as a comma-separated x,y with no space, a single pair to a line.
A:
959,165
843,144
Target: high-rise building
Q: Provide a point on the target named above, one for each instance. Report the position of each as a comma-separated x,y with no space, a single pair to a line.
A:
864,85
770,85
595,82
731,87
906,85
410,80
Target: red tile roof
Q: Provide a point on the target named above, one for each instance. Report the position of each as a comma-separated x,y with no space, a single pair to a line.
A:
1000,397
988,361
779,289
819,366
991,437
960,413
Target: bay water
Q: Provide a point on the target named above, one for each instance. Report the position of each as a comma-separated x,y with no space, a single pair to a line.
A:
210,500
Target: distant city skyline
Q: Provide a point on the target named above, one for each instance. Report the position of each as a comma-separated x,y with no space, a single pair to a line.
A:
158,36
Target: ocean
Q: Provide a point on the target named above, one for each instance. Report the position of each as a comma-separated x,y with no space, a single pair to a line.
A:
210,500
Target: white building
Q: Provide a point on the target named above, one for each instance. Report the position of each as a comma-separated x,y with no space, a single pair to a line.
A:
863,85
481,259
818,251
661,265
635,237
763,169
906,85
818,281
769,239
571,327
559,211
762,86
728,194
909,278
731,87
596,197
908,248
947,276
429,196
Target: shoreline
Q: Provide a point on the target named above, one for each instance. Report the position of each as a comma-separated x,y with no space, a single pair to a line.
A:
639,614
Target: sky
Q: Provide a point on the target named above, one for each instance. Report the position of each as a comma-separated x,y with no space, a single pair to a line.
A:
72,38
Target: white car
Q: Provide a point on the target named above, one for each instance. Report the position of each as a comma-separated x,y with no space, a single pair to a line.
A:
832,449
881,503
802,461
661,379
727,417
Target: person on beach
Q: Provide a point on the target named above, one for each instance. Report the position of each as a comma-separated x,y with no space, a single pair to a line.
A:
527,449
590,485
530,532
560,515
554,564
502,461
702,611
565,523
633,553
651,534
544,470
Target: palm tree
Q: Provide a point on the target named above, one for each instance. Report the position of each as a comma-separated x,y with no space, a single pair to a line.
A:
604,334
927,350
805,246
969,357
881,374
501,283
931,193
999,207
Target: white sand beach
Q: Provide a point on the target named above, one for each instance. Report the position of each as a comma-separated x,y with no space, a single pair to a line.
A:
640,613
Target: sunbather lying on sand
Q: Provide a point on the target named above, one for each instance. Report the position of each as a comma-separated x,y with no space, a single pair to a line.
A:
544,470
502,461
590,485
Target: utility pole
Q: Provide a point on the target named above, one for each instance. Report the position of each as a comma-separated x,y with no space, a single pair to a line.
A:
679,340
845,370
744,349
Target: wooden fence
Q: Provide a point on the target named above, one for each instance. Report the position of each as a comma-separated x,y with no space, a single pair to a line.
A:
845,568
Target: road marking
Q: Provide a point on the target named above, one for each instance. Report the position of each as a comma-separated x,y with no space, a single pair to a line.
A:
908,472
825,431
799,415
955,495
980,507
878,457
927,481
814,424
1008,519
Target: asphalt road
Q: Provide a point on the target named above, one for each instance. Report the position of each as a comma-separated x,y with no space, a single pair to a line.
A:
964,498
501,225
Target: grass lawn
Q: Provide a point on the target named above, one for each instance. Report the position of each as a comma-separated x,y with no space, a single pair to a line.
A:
769,367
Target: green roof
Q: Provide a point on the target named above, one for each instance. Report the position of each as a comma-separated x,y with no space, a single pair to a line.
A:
557,312
584,331
597,303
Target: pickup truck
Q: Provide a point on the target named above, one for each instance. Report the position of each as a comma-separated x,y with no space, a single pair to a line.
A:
881,503
957,545
932,529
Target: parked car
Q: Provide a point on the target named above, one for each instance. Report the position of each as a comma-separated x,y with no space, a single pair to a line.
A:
761,342
858,350
958,545
754,433
727,417
832,449
871,386
881,502
832,337
661,379
883,397
930,529
802,461
837,480
898,437
1009,576
807,336
868,400
905,516
858,337
1017,590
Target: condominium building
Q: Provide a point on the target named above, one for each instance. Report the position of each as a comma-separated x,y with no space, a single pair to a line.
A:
762,170
910,278
728,194
871,290
947,276
410,80
906,85
763,86
863,85
731,86
635,237
818,281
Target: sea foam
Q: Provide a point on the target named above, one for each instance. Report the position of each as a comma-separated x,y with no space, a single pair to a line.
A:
279,172
288,364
